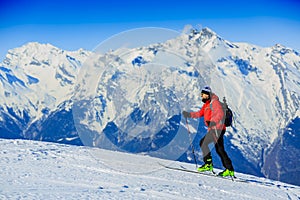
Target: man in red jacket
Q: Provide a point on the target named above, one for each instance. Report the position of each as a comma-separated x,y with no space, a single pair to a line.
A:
214,119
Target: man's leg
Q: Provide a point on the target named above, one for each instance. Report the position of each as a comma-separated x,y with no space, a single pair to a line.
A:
204,142
222,153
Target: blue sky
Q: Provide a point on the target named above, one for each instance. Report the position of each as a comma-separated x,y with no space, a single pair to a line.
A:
71,25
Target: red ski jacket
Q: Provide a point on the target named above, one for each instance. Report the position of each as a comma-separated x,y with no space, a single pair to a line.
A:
212,111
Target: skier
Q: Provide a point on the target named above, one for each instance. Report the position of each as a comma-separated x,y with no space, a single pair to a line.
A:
213,117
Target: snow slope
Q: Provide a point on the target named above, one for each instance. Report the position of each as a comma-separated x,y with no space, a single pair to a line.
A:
41,170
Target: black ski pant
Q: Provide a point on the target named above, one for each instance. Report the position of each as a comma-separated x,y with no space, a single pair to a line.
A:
215,136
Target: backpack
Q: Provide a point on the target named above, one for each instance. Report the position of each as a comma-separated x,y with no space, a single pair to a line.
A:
228,114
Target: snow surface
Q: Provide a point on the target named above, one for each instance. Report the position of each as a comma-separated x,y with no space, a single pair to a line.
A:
41,170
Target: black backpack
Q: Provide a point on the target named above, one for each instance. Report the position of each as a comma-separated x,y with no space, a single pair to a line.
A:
228,118
228,114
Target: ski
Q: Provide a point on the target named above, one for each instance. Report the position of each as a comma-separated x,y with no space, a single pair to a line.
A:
187,170
254,181
212,174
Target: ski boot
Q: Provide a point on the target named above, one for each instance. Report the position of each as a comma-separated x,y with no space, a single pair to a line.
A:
226,172
205,167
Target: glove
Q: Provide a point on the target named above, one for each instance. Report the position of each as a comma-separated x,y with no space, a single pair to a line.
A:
186,114
211,123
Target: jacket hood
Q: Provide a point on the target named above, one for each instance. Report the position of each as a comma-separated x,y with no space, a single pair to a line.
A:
214,97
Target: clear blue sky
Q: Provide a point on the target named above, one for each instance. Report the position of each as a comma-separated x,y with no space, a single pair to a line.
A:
71,25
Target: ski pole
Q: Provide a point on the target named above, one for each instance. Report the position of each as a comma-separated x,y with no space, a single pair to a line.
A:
191,142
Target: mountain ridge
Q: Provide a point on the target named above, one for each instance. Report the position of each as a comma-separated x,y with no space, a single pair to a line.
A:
38,82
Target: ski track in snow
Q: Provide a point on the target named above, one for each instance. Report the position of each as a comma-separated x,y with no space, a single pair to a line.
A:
40,170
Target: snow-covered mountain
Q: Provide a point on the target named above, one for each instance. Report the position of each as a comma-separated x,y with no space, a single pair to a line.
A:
42,170
131,99
37,81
